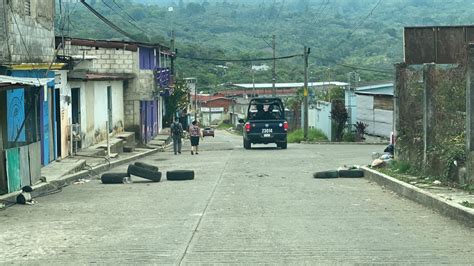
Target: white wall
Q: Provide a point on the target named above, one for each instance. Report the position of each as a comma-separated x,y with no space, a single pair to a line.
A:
380,121
65,107
94,113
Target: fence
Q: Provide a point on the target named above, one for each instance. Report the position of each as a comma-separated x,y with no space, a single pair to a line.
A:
430,118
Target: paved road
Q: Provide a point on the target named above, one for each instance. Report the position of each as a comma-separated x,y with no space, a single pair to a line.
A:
248,207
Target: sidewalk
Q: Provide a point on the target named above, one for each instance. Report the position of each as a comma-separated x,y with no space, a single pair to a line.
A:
447,201
85,164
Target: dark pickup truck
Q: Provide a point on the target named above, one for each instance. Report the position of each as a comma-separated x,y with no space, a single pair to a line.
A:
265,123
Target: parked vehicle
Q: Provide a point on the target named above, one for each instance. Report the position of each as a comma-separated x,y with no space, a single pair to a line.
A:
208,131
265,123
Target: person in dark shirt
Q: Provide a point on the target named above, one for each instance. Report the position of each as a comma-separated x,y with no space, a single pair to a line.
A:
260,112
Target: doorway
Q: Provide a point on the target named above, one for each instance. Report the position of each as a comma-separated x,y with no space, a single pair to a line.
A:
109,108
57,105
76,105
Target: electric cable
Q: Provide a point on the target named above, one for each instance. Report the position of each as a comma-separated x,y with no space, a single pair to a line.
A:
108,22
123,18
240,60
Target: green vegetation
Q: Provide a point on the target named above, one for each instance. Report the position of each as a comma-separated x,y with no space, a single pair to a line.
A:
224,125
346,32
313,135
467,204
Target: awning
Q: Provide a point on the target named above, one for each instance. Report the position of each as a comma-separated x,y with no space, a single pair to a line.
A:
7,82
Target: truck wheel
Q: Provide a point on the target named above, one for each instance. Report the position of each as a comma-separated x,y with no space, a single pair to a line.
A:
179,175
113,178
283,145
247,144
326,174
351,173
144,173
147,166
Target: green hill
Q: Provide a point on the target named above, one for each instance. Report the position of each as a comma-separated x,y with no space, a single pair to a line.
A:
344,35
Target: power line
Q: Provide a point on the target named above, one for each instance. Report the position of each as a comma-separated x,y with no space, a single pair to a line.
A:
240,60
106,21
123,17
124,11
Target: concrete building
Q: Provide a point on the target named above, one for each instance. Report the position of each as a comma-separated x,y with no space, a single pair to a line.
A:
139,70
374,106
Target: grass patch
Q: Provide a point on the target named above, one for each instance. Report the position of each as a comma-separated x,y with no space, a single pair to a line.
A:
313,135
467,204
224,126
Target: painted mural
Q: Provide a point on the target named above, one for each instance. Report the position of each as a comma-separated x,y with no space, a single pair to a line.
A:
16,114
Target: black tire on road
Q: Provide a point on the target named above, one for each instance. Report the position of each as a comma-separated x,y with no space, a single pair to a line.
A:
179,175
283,145
147,166
247,144
355,173
144,173
326,174
113,178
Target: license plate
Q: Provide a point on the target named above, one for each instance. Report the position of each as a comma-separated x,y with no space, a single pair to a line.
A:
267,130
267,135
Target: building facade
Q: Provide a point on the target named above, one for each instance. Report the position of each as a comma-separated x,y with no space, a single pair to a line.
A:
28,103
140,73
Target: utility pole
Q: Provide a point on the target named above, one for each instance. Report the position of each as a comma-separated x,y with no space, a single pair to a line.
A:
274,66
305,92
172,50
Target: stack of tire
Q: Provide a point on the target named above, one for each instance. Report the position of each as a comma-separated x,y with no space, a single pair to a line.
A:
139,169
348,173
146,171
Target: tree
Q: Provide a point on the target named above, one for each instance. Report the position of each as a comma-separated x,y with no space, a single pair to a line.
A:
339,115
176,102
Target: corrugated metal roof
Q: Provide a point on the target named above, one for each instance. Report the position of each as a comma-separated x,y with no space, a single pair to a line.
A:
288,85
381,89
8,81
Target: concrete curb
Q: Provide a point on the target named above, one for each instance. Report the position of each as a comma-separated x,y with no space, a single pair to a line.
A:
343,143
450,209
54,185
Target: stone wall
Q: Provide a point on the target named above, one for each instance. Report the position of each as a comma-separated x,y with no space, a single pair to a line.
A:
33,28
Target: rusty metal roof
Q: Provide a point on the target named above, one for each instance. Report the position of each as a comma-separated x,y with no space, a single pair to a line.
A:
83,75
126,45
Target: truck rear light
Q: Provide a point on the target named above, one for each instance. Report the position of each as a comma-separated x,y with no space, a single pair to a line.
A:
247,127
285,126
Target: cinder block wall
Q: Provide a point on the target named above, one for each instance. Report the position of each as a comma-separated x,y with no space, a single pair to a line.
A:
33,29
3,42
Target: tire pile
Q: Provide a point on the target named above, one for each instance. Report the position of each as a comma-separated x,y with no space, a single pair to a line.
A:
146,171
346,173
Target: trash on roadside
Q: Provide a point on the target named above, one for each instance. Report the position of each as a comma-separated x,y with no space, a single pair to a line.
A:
81,181
437,182
377,163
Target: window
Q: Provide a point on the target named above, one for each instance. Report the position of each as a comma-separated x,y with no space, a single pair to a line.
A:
147,58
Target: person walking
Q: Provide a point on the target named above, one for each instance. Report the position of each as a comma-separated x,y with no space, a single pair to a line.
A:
195,134
176,134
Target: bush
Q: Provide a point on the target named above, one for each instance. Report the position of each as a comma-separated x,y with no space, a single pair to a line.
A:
313,135
349,137
224,125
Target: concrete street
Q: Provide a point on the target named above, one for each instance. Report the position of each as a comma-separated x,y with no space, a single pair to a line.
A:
244,206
